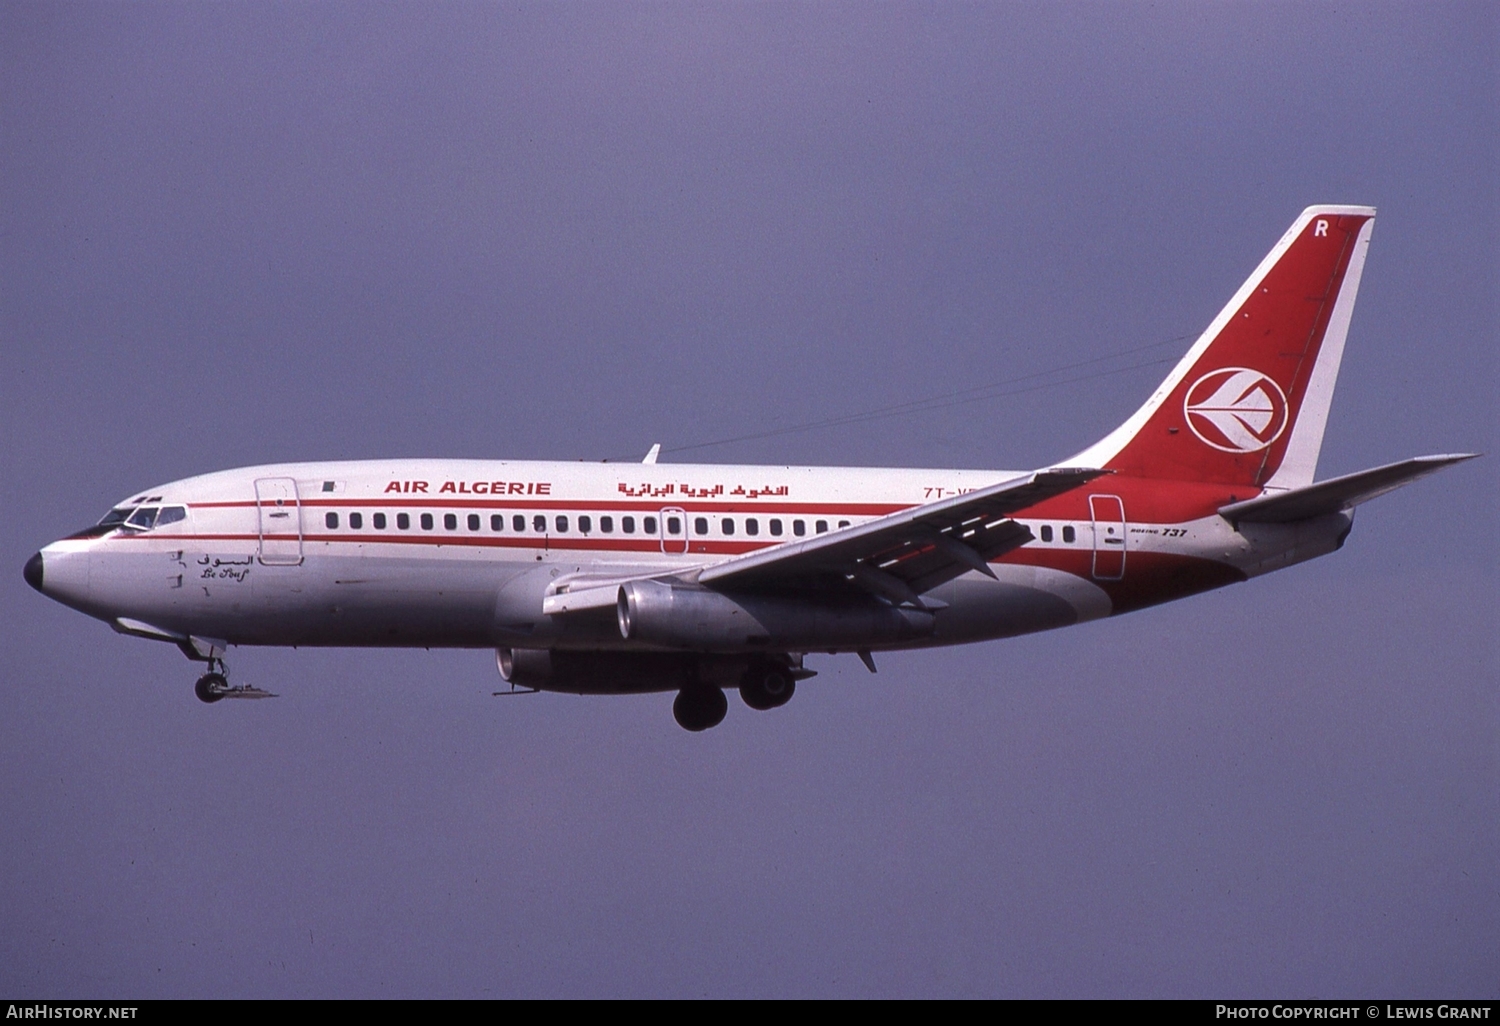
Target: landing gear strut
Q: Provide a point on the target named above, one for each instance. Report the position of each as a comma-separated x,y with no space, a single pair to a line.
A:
699,707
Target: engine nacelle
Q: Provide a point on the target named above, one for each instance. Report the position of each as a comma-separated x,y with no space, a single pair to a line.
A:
603,673
709,621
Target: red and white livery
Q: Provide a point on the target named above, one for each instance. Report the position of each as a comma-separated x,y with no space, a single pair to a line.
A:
611,578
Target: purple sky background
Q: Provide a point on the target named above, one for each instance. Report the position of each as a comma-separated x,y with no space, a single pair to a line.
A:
243,233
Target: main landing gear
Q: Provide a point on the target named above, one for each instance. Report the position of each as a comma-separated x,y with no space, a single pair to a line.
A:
767,687
763,685
214,684
699,707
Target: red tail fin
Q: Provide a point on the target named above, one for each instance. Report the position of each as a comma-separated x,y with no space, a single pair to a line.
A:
1248,403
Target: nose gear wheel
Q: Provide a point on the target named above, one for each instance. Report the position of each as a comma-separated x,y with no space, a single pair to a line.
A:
214,685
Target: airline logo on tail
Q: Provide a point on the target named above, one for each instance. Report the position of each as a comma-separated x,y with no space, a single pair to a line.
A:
1235,409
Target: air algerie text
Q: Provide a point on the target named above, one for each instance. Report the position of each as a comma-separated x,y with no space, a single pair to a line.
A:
472,487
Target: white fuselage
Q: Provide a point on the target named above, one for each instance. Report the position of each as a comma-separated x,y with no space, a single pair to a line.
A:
464,553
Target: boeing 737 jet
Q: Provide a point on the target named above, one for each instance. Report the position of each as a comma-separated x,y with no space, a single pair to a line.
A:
608,578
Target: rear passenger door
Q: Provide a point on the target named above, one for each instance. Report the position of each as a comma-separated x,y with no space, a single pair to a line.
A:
1108,513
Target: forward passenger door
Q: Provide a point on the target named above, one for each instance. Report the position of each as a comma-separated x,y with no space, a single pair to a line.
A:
280,517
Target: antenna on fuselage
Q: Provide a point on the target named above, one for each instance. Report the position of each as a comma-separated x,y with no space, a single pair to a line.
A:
651,456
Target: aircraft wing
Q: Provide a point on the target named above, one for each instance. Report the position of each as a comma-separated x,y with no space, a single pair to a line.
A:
899,556
905,554
1337,493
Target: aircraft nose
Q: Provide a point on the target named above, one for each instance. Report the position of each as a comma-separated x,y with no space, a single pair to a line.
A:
33,571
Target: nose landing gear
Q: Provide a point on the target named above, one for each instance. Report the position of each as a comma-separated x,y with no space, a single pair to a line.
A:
211,687
214,685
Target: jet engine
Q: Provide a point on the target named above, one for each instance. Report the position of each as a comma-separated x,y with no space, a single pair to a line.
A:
709,621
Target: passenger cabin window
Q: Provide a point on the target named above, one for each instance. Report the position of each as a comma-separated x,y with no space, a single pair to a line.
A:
518,523
627,524
752,526
497,521
450,521
331,520
727,525
585,524
607,525
426,521
562,525
379,521
648,525
1069,535
799,527
821,526
1046,532
674,525
356,520
539,524
776,528
403,521
700,525
473,521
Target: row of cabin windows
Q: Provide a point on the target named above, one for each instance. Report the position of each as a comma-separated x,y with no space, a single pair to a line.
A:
1068,534
497,523
585,524
752,526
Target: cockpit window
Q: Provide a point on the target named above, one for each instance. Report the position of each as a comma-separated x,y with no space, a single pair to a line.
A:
115,517
170,515
144,517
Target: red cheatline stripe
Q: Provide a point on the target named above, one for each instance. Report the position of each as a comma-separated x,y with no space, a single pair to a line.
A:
743,508
647,544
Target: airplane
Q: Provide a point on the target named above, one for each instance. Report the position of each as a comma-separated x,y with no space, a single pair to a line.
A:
615,578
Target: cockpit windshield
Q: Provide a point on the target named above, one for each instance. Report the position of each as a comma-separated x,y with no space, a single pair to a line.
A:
140,518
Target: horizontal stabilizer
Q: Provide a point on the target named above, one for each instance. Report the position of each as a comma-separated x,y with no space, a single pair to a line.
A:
1338,493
